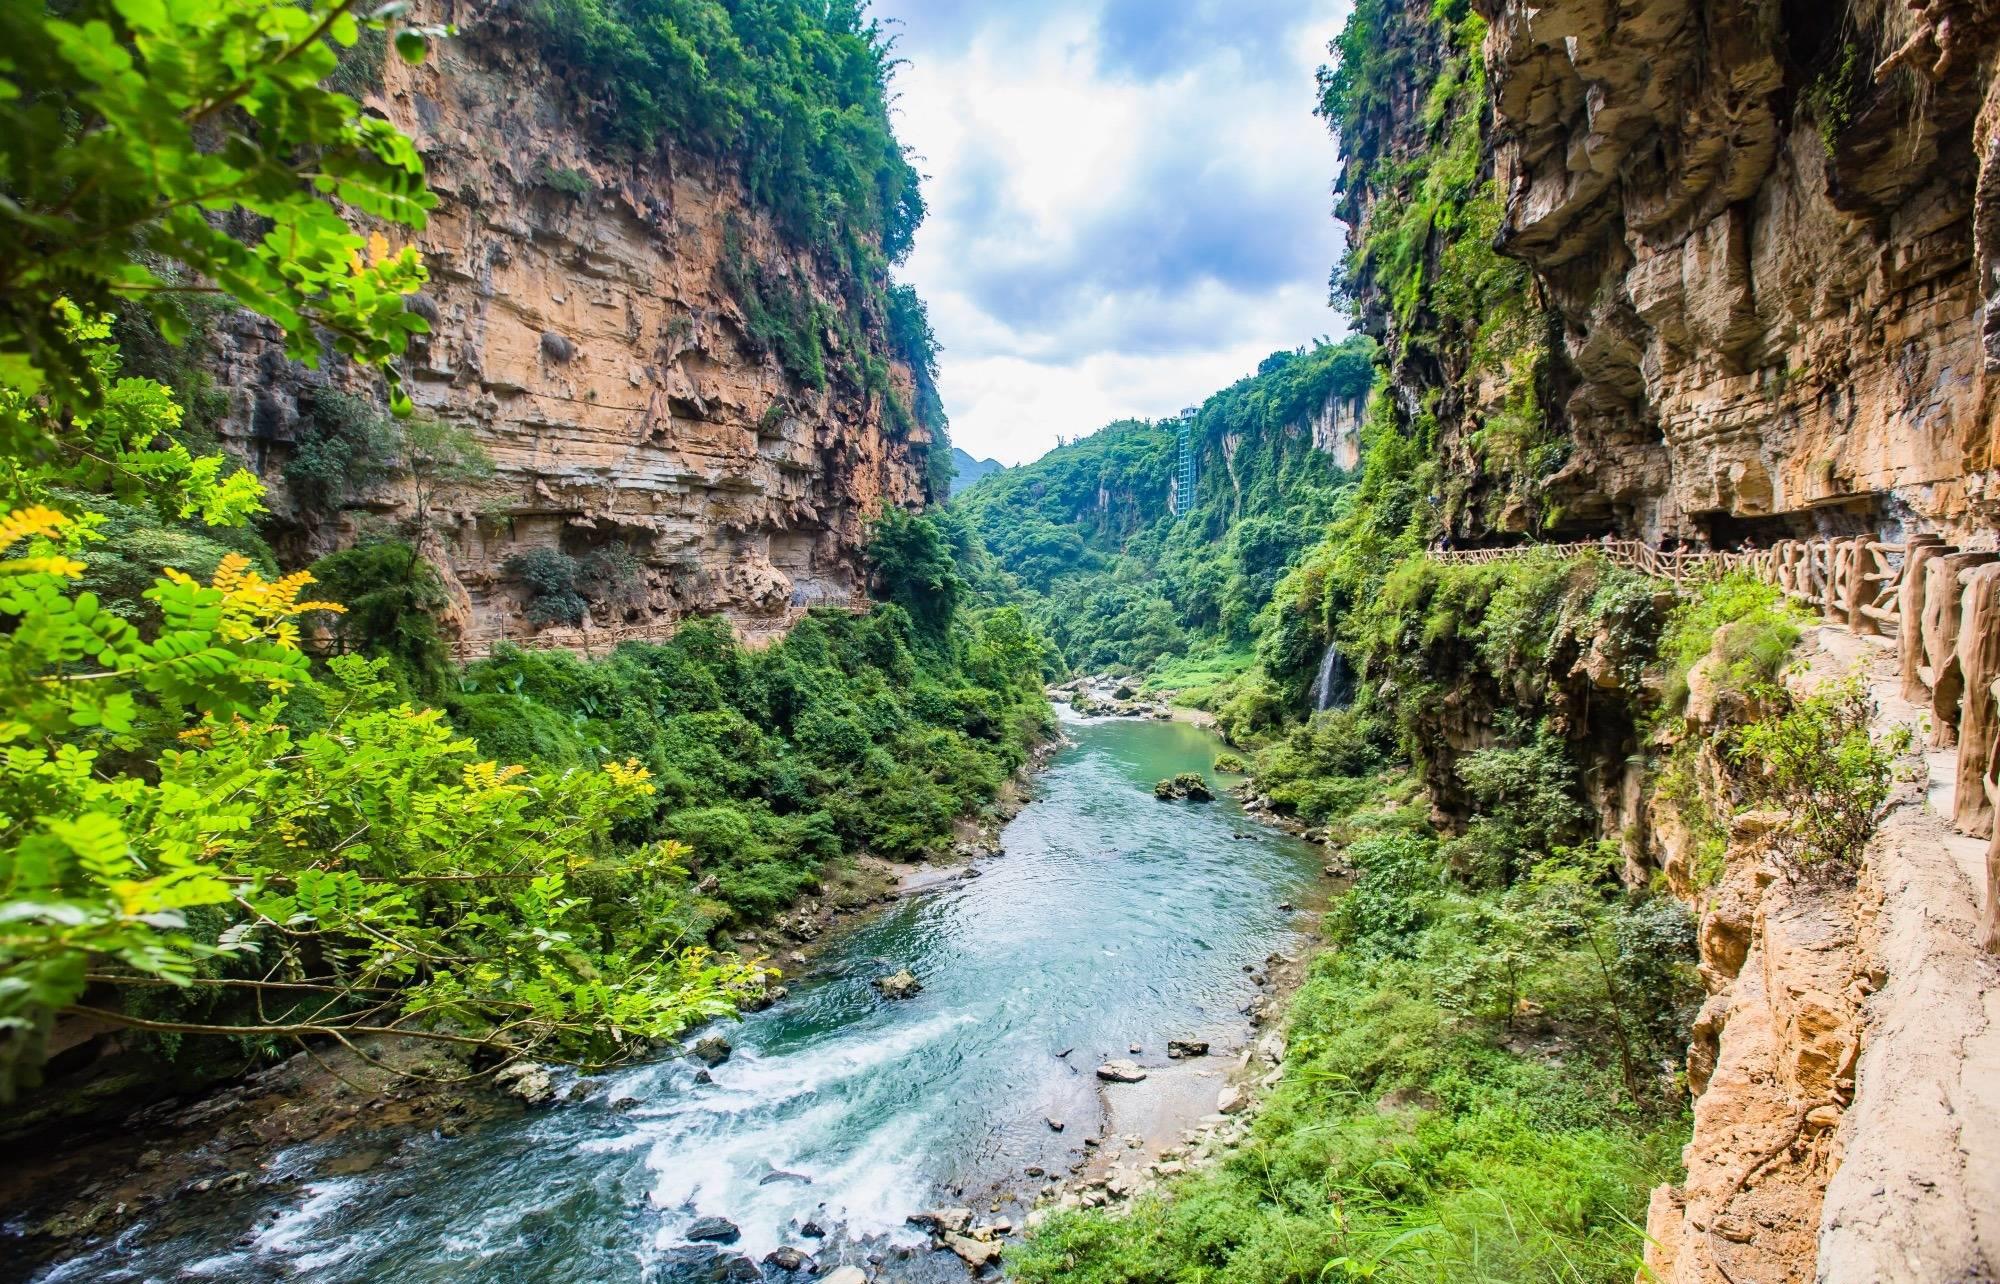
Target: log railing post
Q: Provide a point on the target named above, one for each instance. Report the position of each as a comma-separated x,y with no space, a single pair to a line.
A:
1910,606
1989,910
1979,721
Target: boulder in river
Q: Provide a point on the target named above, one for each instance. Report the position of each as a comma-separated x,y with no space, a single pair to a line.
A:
1120,1072
700,1264
1189,786
788,1259
976,1253
1178,1048
902,985
713,1230
528,1081
712,1051
942,1221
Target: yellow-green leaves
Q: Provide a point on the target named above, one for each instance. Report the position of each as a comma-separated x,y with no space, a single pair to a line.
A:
128,126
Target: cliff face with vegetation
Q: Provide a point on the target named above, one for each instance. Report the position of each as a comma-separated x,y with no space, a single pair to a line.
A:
1123,570
1760,228
1716,273
1744,244
675,379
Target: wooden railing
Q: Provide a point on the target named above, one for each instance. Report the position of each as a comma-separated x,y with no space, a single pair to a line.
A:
1938,603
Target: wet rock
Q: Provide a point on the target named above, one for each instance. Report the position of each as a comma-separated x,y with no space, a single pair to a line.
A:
902,985
779,1174
713,1230
975,1253
702,1265
942,1220
703,1076
530,1082
1055,1125
1120,1072
582,1088
624,1104
1178,1048
813,1230
846,1275
713,1050
788,1259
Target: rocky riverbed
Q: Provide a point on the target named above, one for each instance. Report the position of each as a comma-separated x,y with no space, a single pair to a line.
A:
839,1113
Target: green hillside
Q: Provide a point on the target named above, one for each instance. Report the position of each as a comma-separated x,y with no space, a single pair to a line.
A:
1088,539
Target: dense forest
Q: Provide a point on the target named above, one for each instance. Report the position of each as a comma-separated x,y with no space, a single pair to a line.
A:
1118,571
249,803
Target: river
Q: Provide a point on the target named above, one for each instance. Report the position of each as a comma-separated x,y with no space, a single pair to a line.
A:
1112,920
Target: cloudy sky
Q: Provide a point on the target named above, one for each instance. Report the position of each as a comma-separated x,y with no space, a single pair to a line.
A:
1129,202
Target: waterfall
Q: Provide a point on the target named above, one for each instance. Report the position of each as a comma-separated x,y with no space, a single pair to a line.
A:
1333,688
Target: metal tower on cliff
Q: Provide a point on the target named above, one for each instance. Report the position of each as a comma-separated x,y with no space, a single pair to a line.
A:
1184,469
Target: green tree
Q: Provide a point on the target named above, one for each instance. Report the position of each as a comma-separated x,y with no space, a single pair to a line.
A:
126,126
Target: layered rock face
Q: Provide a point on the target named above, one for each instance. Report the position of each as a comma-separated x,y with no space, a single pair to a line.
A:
585,331
1768,234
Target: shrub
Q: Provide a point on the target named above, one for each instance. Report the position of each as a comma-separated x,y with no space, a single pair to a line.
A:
1754,623
1188,786
392,598
343,446
1229,764
550,576
1817,761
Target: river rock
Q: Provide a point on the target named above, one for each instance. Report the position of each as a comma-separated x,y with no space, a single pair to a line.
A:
788,1259
779,1174
1178,1048
528,1081
1120,1072
846,1275
700,1264
713,1050
942,1220
1055,1125
1231,1100
975,1253
902,985
713,1230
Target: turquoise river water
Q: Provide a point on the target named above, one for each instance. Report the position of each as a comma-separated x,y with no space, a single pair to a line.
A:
1112,919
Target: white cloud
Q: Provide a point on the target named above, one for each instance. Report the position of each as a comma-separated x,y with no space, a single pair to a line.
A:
1105,242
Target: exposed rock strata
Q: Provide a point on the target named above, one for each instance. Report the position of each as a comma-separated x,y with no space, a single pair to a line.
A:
585,332
1770,268
1846,1065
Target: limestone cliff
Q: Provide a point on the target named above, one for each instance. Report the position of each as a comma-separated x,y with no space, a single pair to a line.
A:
1759,237
1845,1067
589,328
1764,252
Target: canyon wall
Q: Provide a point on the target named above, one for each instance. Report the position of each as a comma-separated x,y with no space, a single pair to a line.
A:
1764,254
586,331
1758,244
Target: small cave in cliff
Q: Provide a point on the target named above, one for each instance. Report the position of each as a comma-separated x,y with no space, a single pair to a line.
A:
1863,516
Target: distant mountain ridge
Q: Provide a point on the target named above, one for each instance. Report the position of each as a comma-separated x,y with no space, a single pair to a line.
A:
966,470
